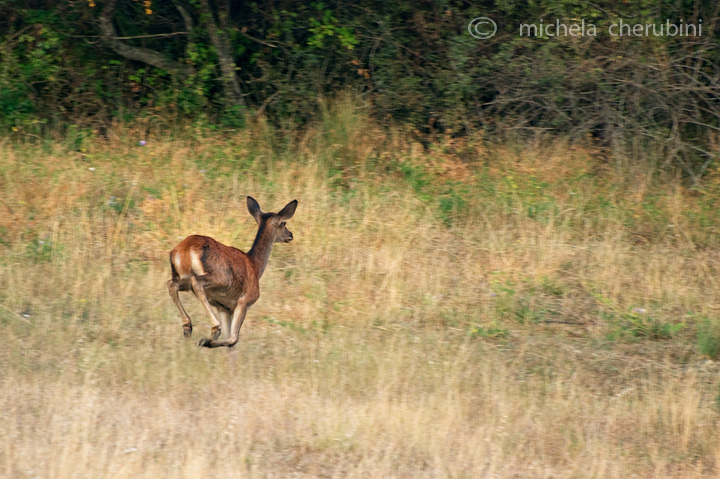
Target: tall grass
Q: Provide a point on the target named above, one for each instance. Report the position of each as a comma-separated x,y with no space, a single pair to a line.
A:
471,310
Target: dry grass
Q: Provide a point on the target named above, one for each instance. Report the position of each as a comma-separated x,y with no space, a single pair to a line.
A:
411,330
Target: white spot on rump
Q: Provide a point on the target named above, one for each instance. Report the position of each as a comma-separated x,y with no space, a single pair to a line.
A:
177,260
197,267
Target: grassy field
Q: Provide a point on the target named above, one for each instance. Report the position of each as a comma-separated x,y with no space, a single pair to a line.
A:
471,310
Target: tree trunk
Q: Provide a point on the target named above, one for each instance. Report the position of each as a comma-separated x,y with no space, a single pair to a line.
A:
231,86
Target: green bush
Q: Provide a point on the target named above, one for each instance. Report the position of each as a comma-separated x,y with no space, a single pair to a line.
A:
708,338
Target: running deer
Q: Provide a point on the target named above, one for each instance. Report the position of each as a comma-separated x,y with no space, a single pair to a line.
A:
223,278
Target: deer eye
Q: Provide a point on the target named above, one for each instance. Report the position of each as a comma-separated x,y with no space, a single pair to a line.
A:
282,225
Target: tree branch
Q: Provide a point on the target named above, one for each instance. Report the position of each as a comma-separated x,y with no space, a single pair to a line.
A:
145,55
157,35
261,42
189,24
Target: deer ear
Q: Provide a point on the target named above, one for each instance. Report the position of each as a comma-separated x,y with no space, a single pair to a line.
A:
254,209
289,210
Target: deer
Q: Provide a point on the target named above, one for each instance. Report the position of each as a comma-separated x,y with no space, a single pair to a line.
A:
224,279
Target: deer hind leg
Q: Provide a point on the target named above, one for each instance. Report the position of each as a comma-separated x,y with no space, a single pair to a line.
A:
197,285
174,286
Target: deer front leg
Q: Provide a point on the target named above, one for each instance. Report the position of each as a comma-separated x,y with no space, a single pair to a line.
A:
225,318
238,317
174,287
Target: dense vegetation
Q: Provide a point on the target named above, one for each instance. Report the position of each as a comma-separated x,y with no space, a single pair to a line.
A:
91,63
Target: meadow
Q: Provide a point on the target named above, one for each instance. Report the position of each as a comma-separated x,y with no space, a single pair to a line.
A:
473,309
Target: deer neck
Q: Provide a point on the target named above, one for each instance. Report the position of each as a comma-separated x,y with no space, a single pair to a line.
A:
260,251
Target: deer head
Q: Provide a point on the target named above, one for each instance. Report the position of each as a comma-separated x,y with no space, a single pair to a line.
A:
272,226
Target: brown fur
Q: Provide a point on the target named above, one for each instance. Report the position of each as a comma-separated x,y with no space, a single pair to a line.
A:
224,279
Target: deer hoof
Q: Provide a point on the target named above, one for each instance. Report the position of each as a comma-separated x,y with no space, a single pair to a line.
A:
205,343
214,333
187,331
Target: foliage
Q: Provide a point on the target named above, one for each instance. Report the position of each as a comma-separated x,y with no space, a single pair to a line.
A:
650,96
